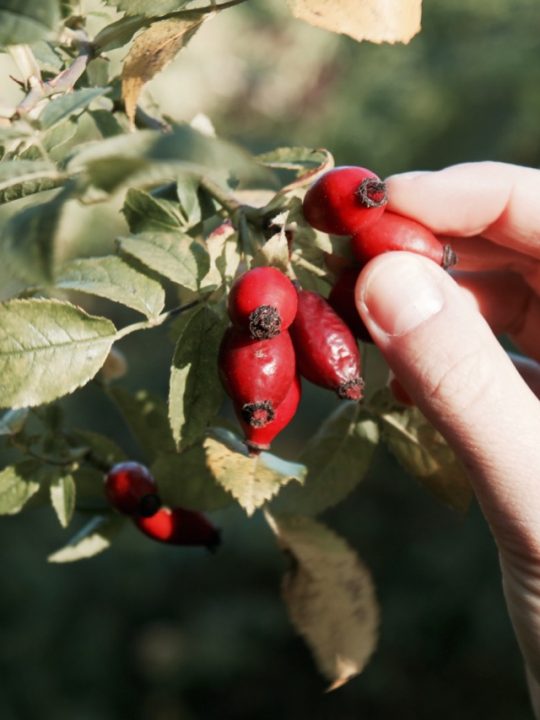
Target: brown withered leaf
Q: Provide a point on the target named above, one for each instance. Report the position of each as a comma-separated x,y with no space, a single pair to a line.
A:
374,20
152,50
329,595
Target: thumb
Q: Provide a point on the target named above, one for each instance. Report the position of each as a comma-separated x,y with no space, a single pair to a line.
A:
451,364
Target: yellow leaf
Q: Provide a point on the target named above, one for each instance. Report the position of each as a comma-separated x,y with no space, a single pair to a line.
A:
151,51
252,481
329,596
374,20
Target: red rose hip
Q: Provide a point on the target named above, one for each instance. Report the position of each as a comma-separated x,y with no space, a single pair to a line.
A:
345,199
396,232
342,300
260,438
326,351
131,489
256,374
263,302
178,526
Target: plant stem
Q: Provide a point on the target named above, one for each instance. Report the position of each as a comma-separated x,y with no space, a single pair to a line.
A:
225,199
155,322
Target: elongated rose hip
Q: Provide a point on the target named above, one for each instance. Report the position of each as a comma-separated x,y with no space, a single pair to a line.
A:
326,351
178,526
256,374
342,300
394,232
258,439
263,301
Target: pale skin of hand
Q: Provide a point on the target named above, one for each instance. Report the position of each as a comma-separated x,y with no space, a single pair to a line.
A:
438,331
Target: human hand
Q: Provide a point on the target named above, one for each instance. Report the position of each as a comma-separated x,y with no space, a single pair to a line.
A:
438,333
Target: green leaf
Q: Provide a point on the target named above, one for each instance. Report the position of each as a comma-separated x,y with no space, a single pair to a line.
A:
113,278
105,450
178,257
299,159
63,498
17,485
184,480
29,237
25,21
426,455
251,480
60,108
95,537
145,213
19,178
187,188
48,349
156,9
146,416
337,459
118,33
329,595
195,391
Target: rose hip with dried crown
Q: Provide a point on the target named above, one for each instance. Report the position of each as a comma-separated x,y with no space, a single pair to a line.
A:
256,374
326,351
396,232
131,489
345,199
342,300
263,301
260,438
178,526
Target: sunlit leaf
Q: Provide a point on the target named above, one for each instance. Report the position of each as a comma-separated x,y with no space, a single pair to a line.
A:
63,494
195,391
17,485
113,278
374,20
95,537
48,349
329,595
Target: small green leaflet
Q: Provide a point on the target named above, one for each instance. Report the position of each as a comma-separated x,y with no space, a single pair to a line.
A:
60,108
178,257
17,485
48,349
63,498
145,213
113,278
337,458
25,21
146,416
13,421
19,178
95,537
184,480
195,391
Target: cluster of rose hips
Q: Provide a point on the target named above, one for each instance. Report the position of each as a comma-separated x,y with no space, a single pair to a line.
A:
279,333
132,490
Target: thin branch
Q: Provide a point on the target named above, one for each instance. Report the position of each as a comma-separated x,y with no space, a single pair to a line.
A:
156,322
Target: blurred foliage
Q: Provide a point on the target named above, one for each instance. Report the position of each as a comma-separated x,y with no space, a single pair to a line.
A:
157,633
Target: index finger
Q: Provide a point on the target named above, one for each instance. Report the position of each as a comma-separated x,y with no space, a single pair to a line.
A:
496,200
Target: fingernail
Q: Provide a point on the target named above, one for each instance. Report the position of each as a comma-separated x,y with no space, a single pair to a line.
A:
401,292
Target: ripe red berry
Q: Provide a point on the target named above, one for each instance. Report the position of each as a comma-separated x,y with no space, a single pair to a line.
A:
263,302
395,232
342,299
256,374
258,439
345,199
326,351
178,526
132,490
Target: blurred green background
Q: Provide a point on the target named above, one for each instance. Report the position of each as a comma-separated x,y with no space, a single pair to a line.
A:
158,633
